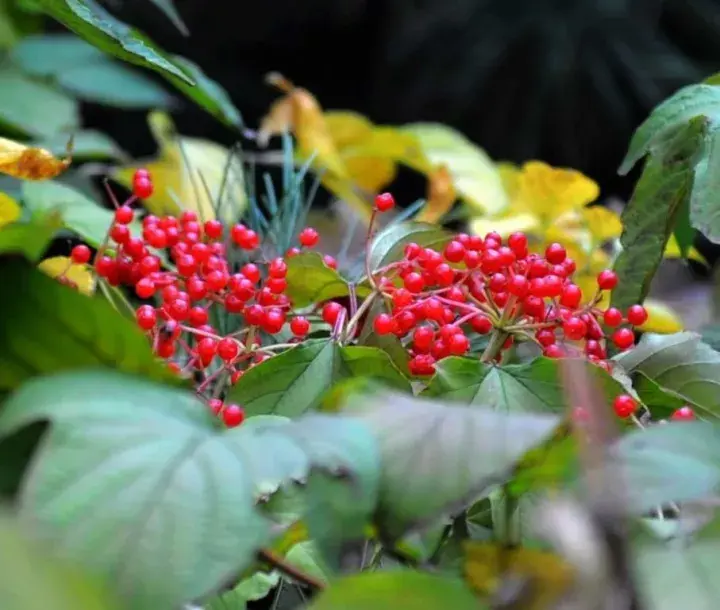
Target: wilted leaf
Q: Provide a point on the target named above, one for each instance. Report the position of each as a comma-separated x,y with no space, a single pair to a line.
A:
30,163
441,196
9,210
190,174
77,276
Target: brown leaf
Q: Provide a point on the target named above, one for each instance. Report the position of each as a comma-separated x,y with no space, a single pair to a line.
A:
31,163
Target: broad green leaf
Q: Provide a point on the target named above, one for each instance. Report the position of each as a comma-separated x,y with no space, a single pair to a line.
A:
680,363
661,401
29,239
94,24
649,217
704,200
34,108
439,458
311,281
683,231
113,84
393,590
295,381
305,556
250,589
710,335
87,144
168,7
46,327
675,462
127,455
388,244
475,176
79,214
535,386
50,54
31,579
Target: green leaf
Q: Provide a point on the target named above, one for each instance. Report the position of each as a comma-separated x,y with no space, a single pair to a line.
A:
46,327
675,462
127,455
31,579
33,108
50,54
93,23
649,217
397,589
704,203
388,245
670,117
535,386
87,144
710,335
306,557
29,239
79,214
296,380
167,7
680,363
475,176
390,344
113,84
311,281
437,458
683,231
661,401
250,589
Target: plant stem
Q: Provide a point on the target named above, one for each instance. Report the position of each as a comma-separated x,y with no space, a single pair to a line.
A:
497,340
352,323
290,571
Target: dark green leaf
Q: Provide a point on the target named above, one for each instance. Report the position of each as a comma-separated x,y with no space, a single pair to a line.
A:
438,458
29,239
167,7
295,381
46,327
535,386
705,198
87,144
311,281
388,244
127,455
388,343
305,556
661,401
649,217
113,84
34,108
397,589
50,54
674,462
680,363
683,230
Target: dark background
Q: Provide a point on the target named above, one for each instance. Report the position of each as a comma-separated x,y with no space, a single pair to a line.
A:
566,81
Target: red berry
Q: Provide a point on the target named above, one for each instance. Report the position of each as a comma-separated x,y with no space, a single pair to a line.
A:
80,254
274,321
228,349
251,272
454,252
206,349
215,405
607,279
553,351
571,296
624,406
444,274
553,286
330,261
684,413
458,344
623,338
412,251
142,187
414,282
481,324
119,233
384,202
518,243
422,338
233,415
179,309
146,317
574,328
198,316
383,324
308,237
331,311
637,315
213,229
145,288
124,215
141,173
545,337
299,326
277,268
613,317
255,315
402,298
518,285
555,254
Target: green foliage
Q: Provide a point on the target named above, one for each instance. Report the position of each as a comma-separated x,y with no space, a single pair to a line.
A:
310,280
29,239
388,244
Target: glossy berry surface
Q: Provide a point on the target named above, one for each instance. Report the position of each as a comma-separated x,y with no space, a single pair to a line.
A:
624,406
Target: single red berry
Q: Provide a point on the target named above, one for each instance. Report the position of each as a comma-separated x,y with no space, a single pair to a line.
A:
624,406
198,316
331,311
518,285
422,338
299,326
233,415
213,229
637,315
145,288
402,297
607,279
274,321
255,315
141,172
124,215
119,233
414,282
554,351
571,296
574,328
142,188
179,309
292,252
624,338
481,324
555,254
228,349
80,254
545,336
277,268
613,317
146,317
233,304
518,243
384,202
215,405
309,237
458,344
277,285
206,349
383,324
444,274
251,272
330,261
684,413
412,251
454,251
157,238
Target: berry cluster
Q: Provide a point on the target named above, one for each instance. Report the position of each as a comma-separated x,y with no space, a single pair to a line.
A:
437,300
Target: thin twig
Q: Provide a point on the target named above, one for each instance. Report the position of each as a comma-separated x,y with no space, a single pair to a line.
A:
290,571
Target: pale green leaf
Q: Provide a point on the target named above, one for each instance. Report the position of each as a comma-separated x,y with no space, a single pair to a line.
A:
388,244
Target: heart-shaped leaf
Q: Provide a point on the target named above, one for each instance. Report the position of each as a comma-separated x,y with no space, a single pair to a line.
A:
389,244
295,381
438,458
148,461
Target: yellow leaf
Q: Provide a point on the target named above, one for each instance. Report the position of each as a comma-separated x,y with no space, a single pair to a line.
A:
510,178
603,224
505,226
441,196
9,210
190,174
348,128
661,319
550,192
672,250
63,269
548,576
30,163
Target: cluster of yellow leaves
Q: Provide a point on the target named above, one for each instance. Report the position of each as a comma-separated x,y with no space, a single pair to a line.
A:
190,174
554,205
355,158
